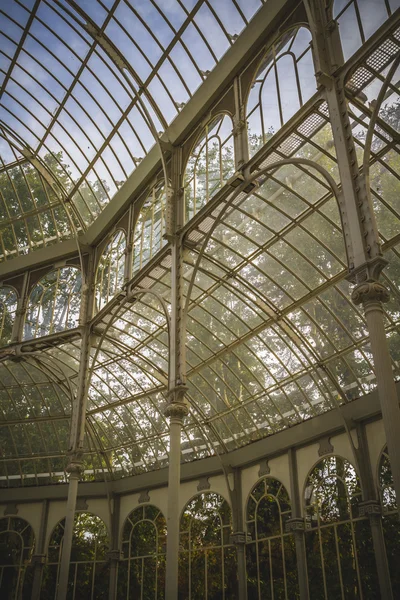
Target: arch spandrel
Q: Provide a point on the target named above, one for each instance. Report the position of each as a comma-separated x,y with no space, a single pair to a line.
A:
54,303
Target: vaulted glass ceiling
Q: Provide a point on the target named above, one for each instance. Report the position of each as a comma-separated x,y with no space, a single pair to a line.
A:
87,87
273,337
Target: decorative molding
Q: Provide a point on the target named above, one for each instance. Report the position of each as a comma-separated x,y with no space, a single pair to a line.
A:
38,559
370,291
240,538
295,524
264,468
325,446
114,555
75,467
370,508
369,271
176,410
144,497
81,504
10,509
203,484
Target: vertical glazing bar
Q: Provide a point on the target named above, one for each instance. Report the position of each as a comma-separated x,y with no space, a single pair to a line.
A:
18,325
371,508
38,558
239,536
74,470
296,525
114,555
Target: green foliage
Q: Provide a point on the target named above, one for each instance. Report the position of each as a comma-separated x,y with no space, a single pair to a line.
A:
8,307
206,558
16,548
142,571
89,568
54,303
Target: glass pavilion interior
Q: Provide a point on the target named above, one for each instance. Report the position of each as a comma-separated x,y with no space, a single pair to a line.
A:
199,299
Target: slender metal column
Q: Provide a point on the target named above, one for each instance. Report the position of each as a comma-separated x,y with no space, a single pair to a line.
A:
371,507
114,554
176,411
38,559
371,294
75,470
296,525
77,434
239,536
361,236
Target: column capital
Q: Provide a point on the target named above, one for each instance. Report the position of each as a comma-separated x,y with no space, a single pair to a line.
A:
370,291
239,125
368,288
177,406
75,466
176,410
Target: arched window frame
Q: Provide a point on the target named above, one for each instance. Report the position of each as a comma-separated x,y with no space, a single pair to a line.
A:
8,309
352,559
269,65
274,586
189,551
142,573
21,528
44,301
194,200
110,270
99,562
149,229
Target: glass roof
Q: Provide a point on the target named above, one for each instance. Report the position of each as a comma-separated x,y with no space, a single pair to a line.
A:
272,333
86,88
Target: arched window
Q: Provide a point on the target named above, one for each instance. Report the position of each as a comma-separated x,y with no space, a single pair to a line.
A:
210,165
207,566
284,82
271,554
8,307
54,303
149,228
391,522
359,19
88,571
339,546
141,573
16,547
110,270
